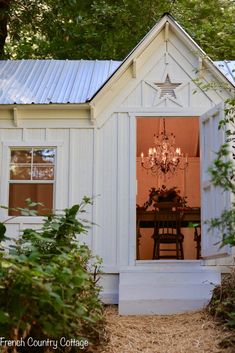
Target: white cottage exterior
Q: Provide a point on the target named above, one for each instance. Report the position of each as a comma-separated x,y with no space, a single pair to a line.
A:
87,112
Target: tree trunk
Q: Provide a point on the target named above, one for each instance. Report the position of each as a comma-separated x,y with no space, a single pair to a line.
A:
4,14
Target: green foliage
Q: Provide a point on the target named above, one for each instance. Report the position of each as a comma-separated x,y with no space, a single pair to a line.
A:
2,231
226,224
49,283
222,306
110,29
222,174
210,23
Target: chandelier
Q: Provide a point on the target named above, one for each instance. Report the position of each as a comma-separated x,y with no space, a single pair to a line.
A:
164,157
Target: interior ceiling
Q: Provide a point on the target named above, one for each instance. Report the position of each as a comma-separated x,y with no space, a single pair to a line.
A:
186,131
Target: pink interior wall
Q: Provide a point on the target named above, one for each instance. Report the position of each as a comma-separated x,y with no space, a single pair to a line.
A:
188,181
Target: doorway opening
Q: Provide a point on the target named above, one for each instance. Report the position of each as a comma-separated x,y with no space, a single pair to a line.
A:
185,181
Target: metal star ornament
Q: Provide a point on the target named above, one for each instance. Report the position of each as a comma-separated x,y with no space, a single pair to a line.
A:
167,87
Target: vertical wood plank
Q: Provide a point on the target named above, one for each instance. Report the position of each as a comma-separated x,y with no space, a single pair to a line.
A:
132,182
123,189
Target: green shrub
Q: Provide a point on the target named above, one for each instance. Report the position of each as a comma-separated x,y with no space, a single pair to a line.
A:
222,171
49,286
222,304
222,308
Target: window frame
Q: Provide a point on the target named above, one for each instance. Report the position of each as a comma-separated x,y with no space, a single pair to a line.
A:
7,146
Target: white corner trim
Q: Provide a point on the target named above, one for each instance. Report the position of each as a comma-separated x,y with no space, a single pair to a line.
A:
92,113
15,117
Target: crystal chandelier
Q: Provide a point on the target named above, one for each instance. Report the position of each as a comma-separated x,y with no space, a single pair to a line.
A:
164,157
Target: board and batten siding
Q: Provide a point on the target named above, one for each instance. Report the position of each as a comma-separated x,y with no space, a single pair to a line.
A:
113,190
74,167
92,161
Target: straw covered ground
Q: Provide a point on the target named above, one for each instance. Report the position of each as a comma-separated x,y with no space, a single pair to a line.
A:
182,333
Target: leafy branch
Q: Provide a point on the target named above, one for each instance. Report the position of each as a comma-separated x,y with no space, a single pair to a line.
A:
222,174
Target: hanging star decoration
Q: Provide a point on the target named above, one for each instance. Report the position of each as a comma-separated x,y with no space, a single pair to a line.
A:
167,87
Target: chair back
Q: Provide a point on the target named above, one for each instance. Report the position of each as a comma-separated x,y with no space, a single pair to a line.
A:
168,218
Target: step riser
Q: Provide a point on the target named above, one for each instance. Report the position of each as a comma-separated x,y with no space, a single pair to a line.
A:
144,291
169,263
168,278
167,292
159,307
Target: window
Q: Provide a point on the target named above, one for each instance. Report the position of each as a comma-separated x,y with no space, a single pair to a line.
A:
32,175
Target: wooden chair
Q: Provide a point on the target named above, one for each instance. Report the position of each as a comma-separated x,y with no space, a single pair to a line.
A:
167,230
197,239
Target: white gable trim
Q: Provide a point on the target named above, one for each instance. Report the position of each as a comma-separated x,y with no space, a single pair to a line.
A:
203,58
132,59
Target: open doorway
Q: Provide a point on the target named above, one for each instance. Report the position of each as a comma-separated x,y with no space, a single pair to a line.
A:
186,180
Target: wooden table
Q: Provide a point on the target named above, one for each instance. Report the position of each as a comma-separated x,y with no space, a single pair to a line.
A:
145,219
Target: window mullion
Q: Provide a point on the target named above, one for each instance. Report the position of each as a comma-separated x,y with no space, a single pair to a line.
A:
31,174
39,190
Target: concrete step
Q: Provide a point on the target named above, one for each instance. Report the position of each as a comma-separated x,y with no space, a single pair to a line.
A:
165,288
168,263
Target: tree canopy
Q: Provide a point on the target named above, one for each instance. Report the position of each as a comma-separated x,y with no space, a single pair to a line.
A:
108,29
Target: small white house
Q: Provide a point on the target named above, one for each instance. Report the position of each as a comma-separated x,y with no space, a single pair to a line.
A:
75,128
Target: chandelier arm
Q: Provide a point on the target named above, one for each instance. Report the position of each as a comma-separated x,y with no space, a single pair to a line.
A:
164,157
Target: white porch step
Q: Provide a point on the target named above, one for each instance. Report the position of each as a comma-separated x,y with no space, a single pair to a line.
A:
165,287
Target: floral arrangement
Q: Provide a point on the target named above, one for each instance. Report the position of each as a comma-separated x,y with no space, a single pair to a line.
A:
163,194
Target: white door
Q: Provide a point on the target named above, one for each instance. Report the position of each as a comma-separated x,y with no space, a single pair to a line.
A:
213,199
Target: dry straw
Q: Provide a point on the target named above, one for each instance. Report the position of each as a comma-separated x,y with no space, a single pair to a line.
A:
183,333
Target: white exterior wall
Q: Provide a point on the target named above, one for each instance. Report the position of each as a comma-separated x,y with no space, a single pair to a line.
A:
74,140
90,161
131,95
113,193
100,160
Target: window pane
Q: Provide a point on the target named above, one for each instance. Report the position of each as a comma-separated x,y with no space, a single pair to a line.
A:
44,156
19,172
21,156
43,193
43,173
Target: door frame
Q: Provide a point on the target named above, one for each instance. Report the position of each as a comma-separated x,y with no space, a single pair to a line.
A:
133,174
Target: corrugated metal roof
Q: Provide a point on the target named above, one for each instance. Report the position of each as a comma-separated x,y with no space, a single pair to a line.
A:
62,81
52,81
